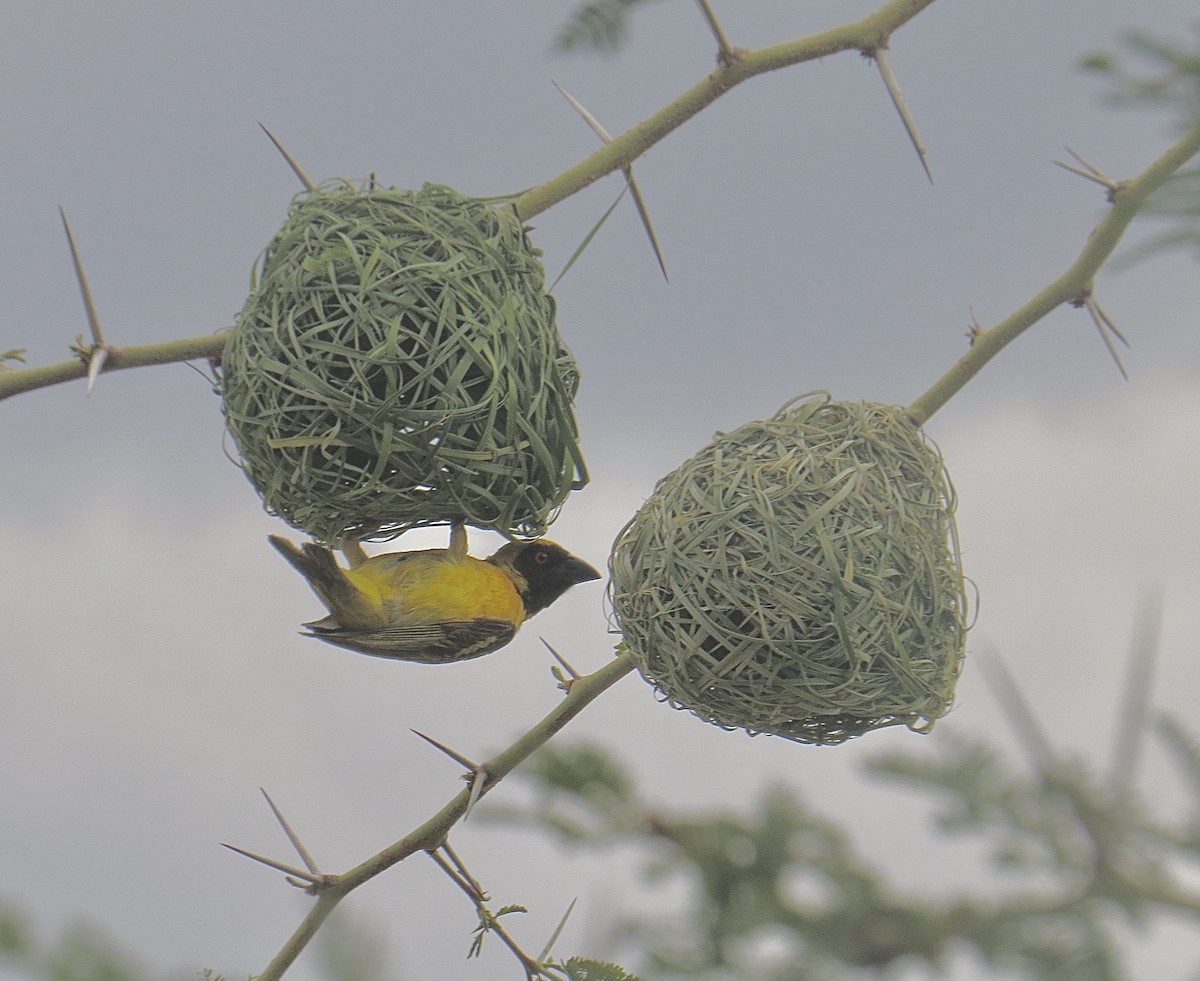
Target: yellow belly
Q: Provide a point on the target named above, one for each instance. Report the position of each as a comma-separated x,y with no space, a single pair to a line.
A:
431,588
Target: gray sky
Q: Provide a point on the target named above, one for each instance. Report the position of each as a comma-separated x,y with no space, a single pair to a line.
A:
150,672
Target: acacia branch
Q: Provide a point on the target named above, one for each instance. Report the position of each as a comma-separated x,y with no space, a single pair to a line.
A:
14,382
432,833
1073,286
868,36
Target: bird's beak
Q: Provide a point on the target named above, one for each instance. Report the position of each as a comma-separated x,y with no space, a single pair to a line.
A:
576,571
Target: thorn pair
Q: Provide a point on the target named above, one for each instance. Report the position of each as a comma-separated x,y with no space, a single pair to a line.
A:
1089,171
638,201
1103,322
311,881
1104,326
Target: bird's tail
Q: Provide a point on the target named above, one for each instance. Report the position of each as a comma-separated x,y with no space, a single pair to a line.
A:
348,605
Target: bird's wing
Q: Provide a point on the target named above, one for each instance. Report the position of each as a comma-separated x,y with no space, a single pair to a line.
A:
430,643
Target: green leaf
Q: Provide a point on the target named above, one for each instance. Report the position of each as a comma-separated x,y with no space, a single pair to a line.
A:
600,26
582,969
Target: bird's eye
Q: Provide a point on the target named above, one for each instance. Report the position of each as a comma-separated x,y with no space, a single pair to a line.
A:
540,557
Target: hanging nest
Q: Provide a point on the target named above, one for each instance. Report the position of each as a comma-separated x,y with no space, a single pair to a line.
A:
397,364
800,577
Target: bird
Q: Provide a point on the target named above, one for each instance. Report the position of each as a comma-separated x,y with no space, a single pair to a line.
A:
435,606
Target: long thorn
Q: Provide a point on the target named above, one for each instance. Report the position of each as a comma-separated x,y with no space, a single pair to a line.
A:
278,866
1107,321
588,118
308,185
1020,715
100,349
1104,325
565,681
1133,718
560,659
457,757
897,97
84,290
638,201
478,782
478,773
725,52
96,362
305,857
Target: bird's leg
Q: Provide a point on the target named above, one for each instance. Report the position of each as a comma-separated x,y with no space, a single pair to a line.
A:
458,540
353,550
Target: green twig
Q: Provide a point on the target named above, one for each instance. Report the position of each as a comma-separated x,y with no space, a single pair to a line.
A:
1073,286
432,833
190,349
869,34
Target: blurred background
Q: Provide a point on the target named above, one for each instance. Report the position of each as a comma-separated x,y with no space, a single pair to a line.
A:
151,676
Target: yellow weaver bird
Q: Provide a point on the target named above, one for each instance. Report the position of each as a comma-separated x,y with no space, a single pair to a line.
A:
435,605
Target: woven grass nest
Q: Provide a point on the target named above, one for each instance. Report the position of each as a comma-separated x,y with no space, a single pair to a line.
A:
800,576
397,364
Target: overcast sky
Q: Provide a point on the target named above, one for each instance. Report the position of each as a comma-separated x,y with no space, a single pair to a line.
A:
150,673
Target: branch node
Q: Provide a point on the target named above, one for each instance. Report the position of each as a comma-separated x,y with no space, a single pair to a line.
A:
727,54
974,331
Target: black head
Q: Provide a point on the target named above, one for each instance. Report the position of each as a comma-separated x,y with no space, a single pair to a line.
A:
543,571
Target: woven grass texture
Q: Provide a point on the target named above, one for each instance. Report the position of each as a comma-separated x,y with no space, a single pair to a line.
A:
800,577
397,364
